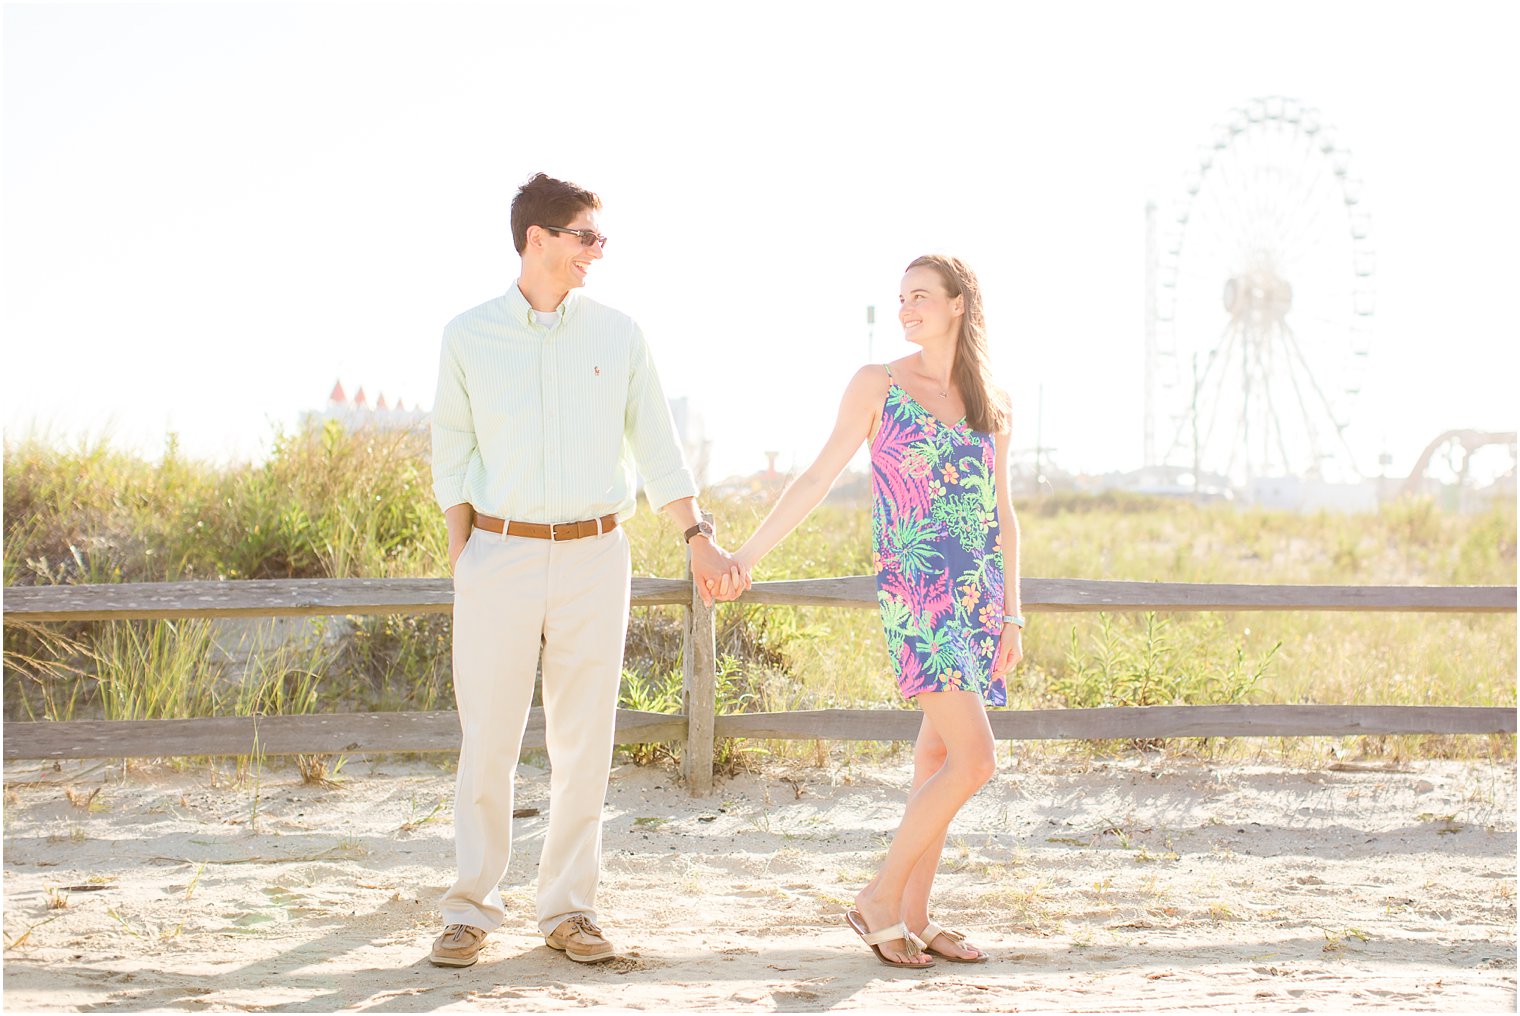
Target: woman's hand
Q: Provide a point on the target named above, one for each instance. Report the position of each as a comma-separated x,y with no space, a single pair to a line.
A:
746,567
1010,649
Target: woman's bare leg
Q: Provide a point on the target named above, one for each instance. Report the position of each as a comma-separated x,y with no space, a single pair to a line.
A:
960,722
928,757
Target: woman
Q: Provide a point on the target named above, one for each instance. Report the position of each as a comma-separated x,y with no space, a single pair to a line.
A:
946,553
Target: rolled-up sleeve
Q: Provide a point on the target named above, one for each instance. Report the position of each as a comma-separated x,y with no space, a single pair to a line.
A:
651,432
454,439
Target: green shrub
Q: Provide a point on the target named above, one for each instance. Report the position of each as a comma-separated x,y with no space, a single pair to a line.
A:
332,503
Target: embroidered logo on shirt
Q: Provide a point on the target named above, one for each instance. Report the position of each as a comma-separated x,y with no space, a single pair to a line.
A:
597,371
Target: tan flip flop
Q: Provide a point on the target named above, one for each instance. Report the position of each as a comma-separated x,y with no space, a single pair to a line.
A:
874,939
924,940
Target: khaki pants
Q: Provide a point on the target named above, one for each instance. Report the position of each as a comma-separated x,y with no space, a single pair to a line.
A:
512,597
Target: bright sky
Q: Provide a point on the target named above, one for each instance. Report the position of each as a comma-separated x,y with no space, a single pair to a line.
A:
213,211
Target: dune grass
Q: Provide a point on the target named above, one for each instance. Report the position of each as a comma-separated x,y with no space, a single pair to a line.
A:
332,503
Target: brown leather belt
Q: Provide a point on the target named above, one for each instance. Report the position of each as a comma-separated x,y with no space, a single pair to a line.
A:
545,531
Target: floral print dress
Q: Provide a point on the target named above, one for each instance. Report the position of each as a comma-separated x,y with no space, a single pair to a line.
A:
939,567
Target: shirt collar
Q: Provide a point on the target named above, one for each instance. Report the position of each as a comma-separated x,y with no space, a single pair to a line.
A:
523,311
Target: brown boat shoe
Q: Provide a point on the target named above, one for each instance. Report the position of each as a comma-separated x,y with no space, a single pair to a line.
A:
579,938
458,946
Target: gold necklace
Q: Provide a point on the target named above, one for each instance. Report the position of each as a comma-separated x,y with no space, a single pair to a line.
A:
922,373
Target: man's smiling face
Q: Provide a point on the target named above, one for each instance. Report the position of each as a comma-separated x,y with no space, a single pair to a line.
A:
566,259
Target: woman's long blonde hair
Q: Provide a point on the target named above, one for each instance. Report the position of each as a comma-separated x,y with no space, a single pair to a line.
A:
987,408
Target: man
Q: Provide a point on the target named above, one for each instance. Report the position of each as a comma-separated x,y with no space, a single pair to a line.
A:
542,396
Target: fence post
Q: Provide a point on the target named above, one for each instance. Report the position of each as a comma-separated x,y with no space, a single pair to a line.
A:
699,688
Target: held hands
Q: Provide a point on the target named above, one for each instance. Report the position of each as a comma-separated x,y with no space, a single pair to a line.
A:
1010,649
732,584
717,575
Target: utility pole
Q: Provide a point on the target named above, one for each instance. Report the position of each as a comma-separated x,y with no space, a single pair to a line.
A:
1193,413
1150,333
1039,449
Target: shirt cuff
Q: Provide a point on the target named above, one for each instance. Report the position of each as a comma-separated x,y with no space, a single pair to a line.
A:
449,492
668,487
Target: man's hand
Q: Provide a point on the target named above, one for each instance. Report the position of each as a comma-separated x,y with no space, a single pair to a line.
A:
460,522
715,573
1010,649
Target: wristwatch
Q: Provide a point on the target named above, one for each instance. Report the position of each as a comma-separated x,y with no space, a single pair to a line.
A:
701,527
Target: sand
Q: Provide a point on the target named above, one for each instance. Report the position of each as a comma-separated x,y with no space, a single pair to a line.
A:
1147,883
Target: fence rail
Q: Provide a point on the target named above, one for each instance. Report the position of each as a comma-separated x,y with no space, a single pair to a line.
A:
697,725
142,601
358,733
152,601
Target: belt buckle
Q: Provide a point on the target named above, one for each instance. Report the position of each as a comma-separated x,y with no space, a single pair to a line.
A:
554,532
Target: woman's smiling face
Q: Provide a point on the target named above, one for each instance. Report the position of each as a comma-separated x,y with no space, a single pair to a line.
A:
925,308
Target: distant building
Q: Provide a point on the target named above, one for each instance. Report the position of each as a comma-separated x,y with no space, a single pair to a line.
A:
356,413
1309,494
764,486
1160,481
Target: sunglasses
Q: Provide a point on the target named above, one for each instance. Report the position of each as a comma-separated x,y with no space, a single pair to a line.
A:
587,236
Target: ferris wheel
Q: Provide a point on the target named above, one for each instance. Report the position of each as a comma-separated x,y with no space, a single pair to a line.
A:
1261,301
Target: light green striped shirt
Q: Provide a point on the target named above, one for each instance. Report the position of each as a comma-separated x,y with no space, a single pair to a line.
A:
547,424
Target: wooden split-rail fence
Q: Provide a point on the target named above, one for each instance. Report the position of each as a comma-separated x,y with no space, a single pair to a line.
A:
698,725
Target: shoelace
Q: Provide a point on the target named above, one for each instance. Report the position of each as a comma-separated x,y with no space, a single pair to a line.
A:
583,923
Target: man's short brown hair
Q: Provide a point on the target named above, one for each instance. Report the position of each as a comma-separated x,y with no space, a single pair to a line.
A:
545,201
